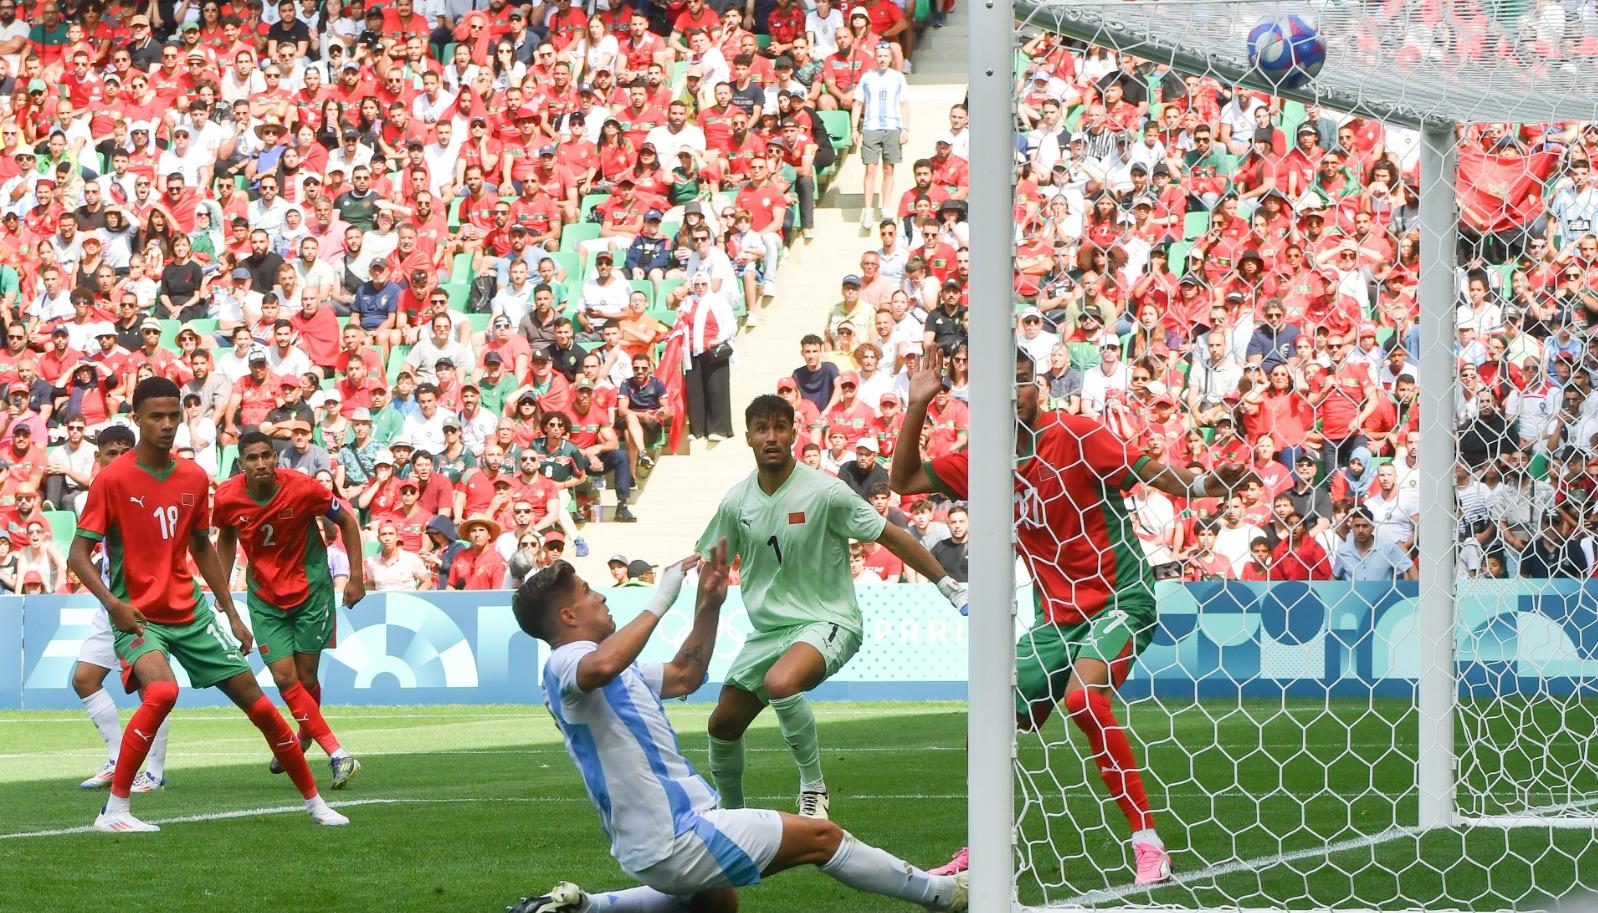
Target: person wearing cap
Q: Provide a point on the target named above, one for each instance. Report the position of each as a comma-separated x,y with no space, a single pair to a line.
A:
604,296
394,568
865,472
649,256
847,412
1034,338
479,566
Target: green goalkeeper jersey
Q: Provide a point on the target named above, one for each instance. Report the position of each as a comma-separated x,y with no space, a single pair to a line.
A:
795,548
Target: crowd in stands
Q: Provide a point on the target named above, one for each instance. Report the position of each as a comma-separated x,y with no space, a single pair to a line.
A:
469,263
1220,275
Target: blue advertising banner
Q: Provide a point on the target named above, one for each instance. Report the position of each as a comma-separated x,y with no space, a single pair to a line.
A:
1215,639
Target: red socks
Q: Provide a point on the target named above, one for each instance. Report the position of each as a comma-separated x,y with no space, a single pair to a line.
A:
1090,711
304,708
315,691
156,702
278,735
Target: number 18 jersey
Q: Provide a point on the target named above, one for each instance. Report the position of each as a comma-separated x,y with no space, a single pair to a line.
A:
145,517
795,548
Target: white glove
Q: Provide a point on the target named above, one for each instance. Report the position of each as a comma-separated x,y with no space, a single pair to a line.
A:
956,593
666,590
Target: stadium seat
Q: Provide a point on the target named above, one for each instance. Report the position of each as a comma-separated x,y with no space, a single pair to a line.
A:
1176,257
1084,355
396,361
461,269
479,322
569,262
169,333
663,287
838,128
1195,225
224,466
575,234
458,292
590,201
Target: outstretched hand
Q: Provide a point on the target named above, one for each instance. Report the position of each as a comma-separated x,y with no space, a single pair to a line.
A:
1231,475
714,571
929,380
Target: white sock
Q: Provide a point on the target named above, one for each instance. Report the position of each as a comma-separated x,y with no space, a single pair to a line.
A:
102,713
865,868
116,805
633,900
155,762
1147,835
315,803
339,753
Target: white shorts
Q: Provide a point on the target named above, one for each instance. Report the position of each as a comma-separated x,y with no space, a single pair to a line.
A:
726,848
99,648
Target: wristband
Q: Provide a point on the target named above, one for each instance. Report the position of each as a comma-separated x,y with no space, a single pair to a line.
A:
1198,487
671,580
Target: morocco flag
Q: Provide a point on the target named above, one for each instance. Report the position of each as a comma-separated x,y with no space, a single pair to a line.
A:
1501,192
670,374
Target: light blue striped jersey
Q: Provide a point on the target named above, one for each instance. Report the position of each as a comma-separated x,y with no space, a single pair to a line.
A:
881,93
646,791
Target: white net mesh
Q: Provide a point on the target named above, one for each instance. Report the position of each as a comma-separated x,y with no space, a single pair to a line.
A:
1223,274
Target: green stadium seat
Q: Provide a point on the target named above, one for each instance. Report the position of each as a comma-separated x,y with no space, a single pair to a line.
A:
458,293
479,322
169,333
590,201
575,234
1176,257
461,269
455,213
570,262
396,361
1195,225
663,287
838,129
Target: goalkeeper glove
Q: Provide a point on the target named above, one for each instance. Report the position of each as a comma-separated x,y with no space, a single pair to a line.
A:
956,593
666,590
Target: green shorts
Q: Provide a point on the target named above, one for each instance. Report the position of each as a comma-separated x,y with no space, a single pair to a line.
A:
1044,655
204,648
836,644
306,628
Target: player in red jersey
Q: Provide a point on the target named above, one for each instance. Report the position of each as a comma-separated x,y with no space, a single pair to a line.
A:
273,511
1093,589
148,500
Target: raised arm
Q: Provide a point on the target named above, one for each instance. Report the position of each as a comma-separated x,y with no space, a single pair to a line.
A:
686,671
907,473
621,649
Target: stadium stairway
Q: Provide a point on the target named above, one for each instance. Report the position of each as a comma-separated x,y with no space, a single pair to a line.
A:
679,497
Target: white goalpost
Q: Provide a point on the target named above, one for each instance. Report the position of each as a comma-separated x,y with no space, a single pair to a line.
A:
1308,745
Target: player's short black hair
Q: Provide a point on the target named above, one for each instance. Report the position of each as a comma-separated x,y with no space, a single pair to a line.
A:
113,434
538,599
768,406
253,437
155,388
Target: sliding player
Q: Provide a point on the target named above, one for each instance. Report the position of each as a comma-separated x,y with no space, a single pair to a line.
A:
791,526
274,512
664,827
98,656
150,502
1094,590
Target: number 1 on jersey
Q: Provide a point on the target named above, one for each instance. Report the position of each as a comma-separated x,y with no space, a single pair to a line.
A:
775,547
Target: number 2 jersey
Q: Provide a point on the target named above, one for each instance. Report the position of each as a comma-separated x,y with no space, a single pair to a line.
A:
795,548
284,550
145,518
1072,525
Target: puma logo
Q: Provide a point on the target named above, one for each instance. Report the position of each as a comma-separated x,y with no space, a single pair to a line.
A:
139,500
140,734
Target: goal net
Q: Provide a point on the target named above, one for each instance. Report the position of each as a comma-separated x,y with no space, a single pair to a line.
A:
1371,681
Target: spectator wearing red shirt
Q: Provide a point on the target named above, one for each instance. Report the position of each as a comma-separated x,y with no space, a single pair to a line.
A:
1342,399
848,414
479,567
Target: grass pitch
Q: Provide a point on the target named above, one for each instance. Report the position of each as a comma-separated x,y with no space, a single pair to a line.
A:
466,808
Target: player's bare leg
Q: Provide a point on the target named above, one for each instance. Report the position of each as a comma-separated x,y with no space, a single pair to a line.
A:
243,691
1087,702
805,841
290,674
735,710
800,669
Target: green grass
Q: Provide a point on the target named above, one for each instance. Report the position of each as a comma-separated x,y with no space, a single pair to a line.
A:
466,808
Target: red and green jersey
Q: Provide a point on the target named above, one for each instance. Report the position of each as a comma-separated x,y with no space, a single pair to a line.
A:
145,517
1071,521
279,535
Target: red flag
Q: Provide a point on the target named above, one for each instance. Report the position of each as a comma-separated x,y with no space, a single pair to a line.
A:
670,374
796,517
1501,192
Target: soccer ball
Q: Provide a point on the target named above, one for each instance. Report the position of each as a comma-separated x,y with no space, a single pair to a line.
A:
1287,51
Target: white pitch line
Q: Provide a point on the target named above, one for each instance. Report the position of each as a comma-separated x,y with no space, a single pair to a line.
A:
1213,872
352,803
554,749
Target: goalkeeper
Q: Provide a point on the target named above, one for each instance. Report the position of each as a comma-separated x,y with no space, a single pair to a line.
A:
791,526
1094,590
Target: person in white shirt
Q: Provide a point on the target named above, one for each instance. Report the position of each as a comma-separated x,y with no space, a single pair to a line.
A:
1108,381
708,320
284,357
266,211
822,24
604,296
705,257
515,300
676,133
430,350
882,121
182,158
1233,535
661,817
425,427
1395,510
1033,339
